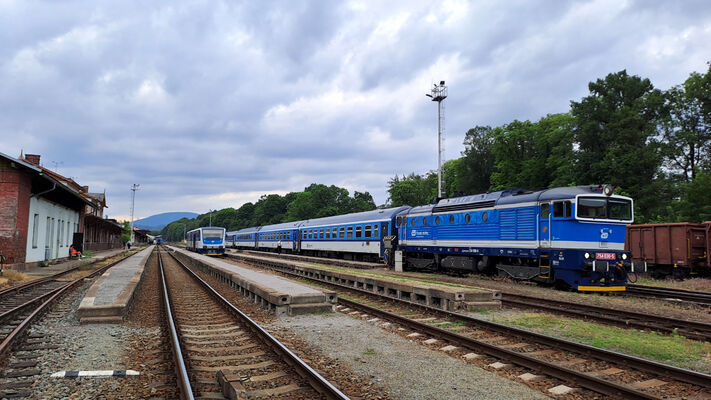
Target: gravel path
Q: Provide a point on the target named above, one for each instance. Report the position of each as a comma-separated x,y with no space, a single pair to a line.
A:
407,370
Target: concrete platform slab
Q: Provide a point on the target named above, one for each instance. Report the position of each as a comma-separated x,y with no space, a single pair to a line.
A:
437,295
279,295
110,297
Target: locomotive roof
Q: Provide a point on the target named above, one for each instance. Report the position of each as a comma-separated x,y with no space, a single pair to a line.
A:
374,215
501,197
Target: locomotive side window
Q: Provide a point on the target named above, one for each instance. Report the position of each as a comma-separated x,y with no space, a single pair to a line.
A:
467,218
451,219
424,221
485,216
412,222
561,209
545,210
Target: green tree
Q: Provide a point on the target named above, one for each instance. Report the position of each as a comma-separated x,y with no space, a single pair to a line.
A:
615,128
474,169
533,155
412,190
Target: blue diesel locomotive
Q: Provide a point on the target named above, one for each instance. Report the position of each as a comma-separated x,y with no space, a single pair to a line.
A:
570,236
207,240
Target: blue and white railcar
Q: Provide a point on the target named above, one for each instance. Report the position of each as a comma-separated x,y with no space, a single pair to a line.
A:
246,239
358,235
571,236
279,237
206,240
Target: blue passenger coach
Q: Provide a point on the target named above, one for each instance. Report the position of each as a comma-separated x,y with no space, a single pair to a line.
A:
570,236
206,240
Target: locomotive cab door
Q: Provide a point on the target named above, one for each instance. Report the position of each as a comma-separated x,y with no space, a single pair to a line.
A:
544,225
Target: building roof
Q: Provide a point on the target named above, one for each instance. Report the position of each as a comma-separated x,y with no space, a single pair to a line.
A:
47,176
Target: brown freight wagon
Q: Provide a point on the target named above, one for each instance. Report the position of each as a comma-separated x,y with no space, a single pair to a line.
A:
675,248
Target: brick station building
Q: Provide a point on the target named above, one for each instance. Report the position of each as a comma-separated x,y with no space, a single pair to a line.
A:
40,212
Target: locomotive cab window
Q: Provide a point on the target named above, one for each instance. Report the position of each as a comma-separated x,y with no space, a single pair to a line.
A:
604,208
562,209
545,210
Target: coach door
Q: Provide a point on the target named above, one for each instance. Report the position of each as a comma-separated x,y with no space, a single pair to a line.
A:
544,225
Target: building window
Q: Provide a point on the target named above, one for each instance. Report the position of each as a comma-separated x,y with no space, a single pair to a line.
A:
35,229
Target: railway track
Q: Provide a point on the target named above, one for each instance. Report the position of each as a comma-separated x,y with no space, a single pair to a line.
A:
676,295
627,319
21,304
211,337
562,361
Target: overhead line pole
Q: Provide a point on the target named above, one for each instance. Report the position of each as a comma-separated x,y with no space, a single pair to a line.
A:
438,93
133,202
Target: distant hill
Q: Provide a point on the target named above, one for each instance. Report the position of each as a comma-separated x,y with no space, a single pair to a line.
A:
159,221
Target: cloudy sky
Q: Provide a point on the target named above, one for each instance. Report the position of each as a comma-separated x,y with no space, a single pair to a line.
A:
209,104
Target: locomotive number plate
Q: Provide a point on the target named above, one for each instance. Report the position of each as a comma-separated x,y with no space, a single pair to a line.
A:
605,256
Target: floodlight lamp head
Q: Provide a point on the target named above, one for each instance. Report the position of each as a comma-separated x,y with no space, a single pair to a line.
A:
441,83
428,95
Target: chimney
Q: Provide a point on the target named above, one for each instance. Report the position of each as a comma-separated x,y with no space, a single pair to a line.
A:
33,159
85,189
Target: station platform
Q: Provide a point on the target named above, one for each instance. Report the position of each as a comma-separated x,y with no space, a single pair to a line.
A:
439,295
109,298
281,296
41,272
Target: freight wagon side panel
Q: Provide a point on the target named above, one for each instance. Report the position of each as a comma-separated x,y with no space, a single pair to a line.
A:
662,245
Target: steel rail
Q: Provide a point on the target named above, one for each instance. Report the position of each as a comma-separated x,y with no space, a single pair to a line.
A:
700,298
186,390
55,294
319,383
30,284
691,329
680,374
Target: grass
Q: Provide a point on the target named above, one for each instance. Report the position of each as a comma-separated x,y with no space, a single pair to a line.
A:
87,254
674,350
10,277
369,352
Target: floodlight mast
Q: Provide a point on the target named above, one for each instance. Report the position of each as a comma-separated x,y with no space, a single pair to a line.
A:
133,199
438,94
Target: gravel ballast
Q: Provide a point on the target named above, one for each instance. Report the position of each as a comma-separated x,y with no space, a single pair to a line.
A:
407,370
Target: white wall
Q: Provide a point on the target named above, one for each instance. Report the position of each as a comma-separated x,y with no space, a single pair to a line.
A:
63,222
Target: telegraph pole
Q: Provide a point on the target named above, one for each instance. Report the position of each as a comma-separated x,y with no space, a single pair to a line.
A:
133,202
438,94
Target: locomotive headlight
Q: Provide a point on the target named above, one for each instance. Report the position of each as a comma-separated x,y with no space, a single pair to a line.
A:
624,256
587,255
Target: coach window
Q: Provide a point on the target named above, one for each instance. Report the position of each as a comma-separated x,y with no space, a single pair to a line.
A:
328,233
342,233
368,231
545,210
334,233
375,231
320,233
359,232
451,219
484,217
467,218
561,209
350,232
437,220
